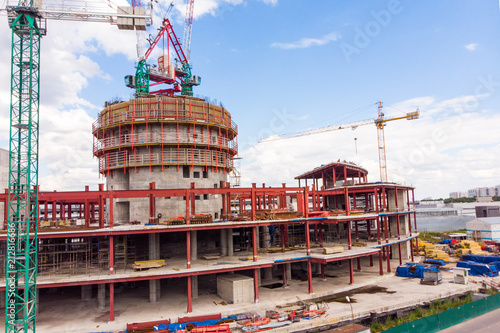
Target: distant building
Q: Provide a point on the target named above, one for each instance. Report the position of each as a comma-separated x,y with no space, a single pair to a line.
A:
482,192
456,195
492,191
472,193
495,191
487,211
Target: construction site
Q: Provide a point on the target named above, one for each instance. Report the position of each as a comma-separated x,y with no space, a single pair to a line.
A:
170,236
199,236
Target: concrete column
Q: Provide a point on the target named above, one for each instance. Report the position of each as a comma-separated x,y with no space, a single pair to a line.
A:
259,277
154,290
86,292
230,251
2,299
194,286
288,272
223,242
405,251
194,245
268,273
154,246
266,238
154,254
257,238
101,296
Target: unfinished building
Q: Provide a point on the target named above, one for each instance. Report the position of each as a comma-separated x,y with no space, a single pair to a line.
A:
169,142
262,235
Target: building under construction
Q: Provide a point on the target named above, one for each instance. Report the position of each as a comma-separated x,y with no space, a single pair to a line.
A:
167,217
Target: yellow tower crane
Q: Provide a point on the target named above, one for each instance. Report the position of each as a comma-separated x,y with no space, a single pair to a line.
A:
380,122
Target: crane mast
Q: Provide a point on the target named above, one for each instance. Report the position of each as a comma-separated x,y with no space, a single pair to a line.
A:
27,29
189,80
188,28
379,122
28,24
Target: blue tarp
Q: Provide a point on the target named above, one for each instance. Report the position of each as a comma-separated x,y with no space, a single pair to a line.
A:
445,241
438,262
479,269
497,265
481,258
175,327
414,270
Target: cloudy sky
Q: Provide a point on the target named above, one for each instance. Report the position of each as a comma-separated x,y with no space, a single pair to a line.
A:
281,66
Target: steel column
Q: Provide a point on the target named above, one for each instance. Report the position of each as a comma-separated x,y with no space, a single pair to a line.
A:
189,295
351,272
399,250
388,252
380,266
308,241
111,302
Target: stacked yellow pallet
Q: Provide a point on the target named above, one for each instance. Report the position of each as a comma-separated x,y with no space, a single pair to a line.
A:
421,247
431,251
468,247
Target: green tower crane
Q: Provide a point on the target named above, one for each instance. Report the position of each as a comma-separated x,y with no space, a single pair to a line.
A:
28,23
27,30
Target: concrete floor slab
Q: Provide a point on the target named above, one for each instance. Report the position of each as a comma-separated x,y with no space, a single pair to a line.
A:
62,310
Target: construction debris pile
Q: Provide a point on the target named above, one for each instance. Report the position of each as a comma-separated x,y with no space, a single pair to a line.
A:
244,322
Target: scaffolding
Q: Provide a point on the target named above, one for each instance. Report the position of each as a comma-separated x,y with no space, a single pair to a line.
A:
165,131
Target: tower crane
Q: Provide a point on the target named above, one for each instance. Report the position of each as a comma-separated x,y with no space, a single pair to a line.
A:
187,85
380,123
179,77
28,21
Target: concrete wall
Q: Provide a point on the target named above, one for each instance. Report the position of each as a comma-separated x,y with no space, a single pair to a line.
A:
391,198
125,210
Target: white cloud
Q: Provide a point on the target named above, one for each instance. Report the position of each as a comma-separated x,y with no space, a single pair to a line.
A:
270,2
201,7
308,42
471,46
68,61
435,154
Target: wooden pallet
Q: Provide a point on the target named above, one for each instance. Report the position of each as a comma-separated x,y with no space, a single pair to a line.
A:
147,264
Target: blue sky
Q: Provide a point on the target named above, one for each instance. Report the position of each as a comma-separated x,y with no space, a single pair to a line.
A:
281,66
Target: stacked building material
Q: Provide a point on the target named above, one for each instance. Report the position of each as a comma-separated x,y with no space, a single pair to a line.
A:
431,251
175,221
414,270
468,247
479,269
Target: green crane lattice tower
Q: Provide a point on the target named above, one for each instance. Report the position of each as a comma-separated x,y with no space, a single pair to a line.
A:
27,30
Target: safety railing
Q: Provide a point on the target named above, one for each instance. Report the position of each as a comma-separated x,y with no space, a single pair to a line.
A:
182,156
119,116
169,136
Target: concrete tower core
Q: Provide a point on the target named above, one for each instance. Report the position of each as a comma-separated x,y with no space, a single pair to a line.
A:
171,141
